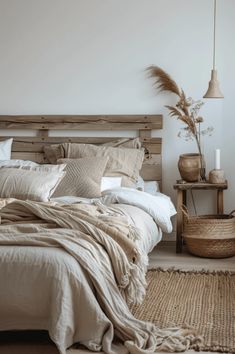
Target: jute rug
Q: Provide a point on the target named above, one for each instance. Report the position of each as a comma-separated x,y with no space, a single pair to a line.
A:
202,300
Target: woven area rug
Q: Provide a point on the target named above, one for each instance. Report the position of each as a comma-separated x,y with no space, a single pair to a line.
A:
202,300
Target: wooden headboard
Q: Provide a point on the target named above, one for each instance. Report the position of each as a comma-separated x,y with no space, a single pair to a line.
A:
31,148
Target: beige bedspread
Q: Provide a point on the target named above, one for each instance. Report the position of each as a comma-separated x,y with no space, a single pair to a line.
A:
99,269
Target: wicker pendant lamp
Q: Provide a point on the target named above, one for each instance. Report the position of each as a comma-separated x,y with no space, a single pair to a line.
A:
214,89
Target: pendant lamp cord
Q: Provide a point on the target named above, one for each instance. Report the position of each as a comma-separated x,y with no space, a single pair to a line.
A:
214,34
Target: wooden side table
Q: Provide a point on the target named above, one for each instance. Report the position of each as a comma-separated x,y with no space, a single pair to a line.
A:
182,189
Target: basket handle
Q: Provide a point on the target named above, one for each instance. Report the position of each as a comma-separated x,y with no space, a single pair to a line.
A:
232,212
184,210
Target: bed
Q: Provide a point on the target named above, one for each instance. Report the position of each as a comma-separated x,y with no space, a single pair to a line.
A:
71,269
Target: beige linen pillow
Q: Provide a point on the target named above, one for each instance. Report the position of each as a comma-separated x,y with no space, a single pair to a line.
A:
83,177
37,185
55,152
125,143
122,162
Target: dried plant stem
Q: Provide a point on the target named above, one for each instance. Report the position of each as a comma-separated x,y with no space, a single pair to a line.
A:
186,110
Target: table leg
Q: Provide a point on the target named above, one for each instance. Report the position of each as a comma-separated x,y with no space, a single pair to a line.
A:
220,201
184,197
180,199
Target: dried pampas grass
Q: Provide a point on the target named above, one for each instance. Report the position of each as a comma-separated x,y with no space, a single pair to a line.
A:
163,81
186,109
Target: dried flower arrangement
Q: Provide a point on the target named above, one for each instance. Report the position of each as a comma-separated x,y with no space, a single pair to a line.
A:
186,109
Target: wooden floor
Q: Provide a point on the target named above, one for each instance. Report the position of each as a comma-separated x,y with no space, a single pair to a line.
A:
164,256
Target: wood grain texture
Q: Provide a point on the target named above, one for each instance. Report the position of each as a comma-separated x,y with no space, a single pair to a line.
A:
32,148
131,118
220,201
79,122
201,185
36,144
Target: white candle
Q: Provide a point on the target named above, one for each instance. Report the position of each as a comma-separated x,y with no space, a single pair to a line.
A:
217,159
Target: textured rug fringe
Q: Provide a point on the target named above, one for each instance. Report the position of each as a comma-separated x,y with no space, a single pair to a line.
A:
189,293
178,339
201,271
218,349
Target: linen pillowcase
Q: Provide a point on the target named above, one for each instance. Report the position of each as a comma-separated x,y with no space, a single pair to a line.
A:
125,143
83,177
125,163
37,185
55,152
5,149
30,165
18,163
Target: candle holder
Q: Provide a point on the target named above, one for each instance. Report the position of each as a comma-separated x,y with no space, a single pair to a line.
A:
216,176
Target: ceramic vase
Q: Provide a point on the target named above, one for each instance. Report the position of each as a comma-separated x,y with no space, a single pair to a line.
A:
192,167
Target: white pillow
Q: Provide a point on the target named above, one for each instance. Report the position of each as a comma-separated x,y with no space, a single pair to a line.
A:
140,184
9,163
110,182
151,187
5,149
30,165
159,206
37,185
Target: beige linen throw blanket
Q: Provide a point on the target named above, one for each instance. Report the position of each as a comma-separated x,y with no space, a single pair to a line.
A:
102,242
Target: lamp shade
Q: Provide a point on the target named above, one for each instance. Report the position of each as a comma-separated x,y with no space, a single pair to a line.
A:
213,89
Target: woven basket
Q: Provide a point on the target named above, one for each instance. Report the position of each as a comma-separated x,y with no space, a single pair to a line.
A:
210,236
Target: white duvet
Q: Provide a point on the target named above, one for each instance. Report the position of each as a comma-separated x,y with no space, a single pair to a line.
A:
158,206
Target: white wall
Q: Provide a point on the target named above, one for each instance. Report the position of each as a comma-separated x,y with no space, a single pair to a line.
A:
228,116
89,56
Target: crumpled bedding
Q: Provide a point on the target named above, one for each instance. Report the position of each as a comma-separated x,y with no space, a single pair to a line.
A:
77,279
159,206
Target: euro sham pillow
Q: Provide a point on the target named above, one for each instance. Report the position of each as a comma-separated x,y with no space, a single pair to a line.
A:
5,149
83,177
37,185
125,143
125,163
56,151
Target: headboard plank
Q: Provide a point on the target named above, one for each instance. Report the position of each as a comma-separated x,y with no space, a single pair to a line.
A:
31,148
36,144
96,122
131,118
